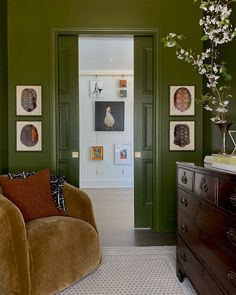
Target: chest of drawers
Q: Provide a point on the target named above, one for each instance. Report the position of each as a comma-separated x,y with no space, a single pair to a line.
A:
206,229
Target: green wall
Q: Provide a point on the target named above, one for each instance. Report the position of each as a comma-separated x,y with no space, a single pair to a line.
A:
3,88
30,24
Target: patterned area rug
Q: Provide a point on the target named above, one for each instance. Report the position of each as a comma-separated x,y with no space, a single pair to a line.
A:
133,271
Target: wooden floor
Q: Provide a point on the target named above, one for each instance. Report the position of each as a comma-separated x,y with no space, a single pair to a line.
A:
114,214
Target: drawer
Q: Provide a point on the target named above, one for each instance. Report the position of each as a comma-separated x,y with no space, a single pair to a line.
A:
185,178
227,195
194,270
188,203
211,219
219,263
205,186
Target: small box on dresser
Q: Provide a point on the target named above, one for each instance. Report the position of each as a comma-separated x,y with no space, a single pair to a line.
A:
206,230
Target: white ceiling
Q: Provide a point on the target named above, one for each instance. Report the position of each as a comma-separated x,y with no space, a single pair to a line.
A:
106,53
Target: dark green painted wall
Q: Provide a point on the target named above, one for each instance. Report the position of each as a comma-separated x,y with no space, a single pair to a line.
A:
29,28
3,88
212,135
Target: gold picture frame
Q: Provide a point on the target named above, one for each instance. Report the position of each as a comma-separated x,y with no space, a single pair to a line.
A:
96,153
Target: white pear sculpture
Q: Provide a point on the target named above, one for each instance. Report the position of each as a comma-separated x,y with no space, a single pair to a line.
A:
109,121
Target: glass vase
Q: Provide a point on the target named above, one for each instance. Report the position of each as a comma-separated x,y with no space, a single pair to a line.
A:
224,128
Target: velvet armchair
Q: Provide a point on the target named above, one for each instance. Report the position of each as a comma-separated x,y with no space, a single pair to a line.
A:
46,255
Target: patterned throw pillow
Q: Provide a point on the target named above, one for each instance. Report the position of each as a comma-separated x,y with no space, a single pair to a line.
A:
56,183
18,175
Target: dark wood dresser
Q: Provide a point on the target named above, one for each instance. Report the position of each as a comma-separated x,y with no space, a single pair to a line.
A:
206,240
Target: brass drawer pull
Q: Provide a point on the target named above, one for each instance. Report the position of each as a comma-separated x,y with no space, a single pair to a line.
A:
233,200
184,227
203,185
184,179
184,202
232,278
183,256
231,233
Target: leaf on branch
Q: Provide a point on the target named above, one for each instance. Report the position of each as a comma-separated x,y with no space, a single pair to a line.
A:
204,38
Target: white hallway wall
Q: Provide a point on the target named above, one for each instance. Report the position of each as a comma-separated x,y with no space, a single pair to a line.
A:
105,173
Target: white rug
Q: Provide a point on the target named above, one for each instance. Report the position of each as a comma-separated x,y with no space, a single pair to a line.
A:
133,271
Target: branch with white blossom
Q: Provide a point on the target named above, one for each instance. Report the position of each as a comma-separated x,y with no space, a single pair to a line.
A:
217,31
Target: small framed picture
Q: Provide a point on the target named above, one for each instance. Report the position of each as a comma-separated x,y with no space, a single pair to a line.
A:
29,136
96,153
109,115
28,100
123,93
182,100
123,83
123,154
182,136
96,89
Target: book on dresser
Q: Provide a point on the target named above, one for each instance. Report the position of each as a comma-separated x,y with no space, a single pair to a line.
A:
206,229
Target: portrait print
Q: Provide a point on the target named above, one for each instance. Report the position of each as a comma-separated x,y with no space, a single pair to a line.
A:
123,154
123,83
96,153
182,136
96,89
109,116
182,100
28,136
28,101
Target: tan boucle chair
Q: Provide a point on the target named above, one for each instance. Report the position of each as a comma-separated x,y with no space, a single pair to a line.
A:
46,255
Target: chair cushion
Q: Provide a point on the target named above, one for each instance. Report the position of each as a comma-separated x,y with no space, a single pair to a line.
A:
32,195
62,250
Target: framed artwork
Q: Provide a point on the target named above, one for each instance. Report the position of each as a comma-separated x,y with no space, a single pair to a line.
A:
29,136
28,100
182,100
96,153
182,136
96,89
123,93
109,115
123,154
123,83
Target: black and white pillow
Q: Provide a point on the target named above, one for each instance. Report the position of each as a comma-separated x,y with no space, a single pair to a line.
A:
56,183
18,175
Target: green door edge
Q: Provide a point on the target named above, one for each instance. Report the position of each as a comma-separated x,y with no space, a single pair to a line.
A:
54,33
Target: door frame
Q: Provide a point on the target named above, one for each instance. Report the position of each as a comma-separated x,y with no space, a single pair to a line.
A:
155,33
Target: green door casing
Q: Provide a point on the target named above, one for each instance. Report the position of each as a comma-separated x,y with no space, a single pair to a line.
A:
68,109
143,131
68,120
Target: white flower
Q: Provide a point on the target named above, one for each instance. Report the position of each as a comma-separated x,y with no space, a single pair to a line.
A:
221,110
212,8
201,22
207,108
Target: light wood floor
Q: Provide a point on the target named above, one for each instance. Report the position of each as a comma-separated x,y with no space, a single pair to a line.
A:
114,214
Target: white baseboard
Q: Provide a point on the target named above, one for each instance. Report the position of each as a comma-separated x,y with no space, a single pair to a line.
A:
105,183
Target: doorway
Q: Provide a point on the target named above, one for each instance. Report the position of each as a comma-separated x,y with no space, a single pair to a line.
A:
106,104
68,146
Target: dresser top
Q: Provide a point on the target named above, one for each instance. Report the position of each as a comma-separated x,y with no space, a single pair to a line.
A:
207,170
